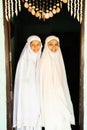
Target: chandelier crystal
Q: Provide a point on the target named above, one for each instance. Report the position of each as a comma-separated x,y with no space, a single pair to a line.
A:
44,9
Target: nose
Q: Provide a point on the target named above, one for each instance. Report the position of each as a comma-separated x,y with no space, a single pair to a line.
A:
54,46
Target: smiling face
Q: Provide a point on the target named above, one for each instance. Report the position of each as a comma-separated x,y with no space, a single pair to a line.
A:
53,45
35,45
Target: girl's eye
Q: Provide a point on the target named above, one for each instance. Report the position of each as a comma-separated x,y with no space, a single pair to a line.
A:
53,45
35,45
56,44
50,45
32,45
38,45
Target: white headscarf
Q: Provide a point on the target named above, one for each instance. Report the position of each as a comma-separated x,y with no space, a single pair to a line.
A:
56,103
26,110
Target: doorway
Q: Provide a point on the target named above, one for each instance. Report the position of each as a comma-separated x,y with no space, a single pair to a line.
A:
68,30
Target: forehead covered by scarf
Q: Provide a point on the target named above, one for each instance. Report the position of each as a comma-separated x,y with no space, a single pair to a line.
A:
32,38
49,38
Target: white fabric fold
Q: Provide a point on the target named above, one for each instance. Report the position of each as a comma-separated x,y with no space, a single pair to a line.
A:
56,105
26,108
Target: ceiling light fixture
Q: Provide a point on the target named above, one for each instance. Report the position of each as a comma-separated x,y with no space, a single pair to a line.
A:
44,9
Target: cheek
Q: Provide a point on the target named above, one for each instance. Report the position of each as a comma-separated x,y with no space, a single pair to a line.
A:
56,47
50,47
38,48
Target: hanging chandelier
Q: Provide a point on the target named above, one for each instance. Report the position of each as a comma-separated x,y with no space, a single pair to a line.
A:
43,9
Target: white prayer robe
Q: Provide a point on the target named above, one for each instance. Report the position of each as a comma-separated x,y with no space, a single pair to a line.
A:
26,108
56,105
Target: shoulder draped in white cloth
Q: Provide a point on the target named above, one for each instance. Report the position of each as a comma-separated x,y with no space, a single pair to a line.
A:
56,105
26,109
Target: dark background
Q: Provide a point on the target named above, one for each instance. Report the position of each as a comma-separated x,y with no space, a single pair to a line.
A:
67,29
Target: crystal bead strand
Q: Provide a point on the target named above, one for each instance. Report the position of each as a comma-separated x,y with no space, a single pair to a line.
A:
9,10
50,5
78,11
81,10
54,7
43,10
33,7
47,10
19,5
29,2
68,5
37,8
37,14
40,6
71,7
57,6
16,9
50,9
40,9
74,8
12,8
6,10
29,6
26,5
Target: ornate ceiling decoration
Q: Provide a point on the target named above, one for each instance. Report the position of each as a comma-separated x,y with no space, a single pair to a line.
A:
44,9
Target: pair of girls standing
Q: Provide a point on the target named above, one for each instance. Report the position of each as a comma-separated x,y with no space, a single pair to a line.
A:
41,94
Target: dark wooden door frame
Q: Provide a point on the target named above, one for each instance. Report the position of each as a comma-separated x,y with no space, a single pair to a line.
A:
8,62
9,75
81,93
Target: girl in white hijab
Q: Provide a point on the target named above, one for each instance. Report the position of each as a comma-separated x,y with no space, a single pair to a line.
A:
56,105
26,109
